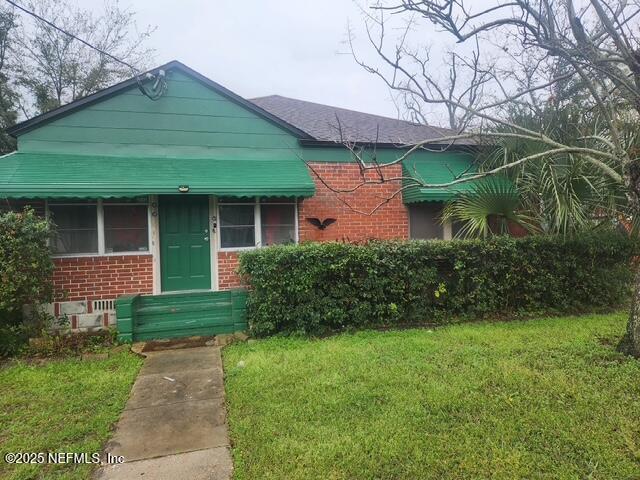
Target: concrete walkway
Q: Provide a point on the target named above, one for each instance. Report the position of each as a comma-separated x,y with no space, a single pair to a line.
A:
174,424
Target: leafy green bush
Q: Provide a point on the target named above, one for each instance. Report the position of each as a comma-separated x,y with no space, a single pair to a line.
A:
25,272
314,288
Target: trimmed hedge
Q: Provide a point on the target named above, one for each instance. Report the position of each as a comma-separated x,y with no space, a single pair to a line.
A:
315,288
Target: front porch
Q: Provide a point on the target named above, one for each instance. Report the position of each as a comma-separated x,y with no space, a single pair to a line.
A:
153,227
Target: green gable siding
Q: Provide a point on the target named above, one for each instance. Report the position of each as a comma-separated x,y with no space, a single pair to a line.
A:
340,154
189,119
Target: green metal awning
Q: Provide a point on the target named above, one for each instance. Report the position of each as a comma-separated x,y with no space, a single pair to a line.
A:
43,175
435,169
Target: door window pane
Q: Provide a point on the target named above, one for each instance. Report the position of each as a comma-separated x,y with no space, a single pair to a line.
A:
76,228
237,226
125,228
278,224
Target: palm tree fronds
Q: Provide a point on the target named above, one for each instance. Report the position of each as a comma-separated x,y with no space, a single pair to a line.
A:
488,209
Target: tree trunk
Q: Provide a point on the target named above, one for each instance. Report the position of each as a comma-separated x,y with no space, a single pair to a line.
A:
630,343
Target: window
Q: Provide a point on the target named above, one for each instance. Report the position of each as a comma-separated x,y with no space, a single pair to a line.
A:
237,226
424,220
125,228
100,227
251,224
456,227
278,224
17,205
76,228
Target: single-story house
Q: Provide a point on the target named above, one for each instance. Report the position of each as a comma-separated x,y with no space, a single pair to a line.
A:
158,195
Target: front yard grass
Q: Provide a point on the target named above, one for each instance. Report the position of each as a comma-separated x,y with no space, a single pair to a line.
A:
61,406
548,398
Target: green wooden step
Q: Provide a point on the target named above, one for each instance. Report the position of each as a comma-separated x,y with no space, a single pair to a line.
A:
147,317
182,307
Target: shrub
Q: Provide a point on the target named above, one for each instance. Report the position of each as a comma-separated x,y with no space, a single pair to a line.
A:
25,272
314,288
71,343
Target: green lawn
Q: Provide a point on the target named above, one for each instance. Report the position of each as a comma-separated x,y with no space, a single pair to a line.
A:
546,398
61,406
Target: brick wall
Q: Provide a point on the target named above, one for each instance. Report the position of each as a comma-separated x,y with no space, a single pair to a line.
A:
227,265
390,221
80,280
107,277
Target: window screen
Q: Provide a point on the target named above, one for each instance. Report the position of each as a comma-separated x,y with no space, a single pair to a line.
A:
76,228
16,205
424,220
125,228
278,224
456,227
237,226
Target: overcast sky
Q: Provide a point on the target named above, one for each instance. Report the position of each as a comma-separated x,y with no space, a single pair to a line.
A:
293,48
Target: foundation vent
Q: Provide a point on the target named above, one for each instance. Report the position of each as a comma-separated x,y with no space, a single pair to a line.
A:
104,305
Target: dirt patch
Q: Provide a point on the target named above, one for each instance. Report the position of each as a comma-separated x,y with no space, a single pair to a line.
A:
176,343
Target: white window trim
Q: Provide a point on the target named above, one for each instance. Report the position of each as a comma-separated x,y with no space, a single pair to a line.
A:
101,239
154,242
100,230
257,223
447,230
213,243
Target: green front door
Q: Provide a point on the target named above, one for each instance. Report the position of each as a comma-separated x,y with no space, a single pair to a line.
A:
185,254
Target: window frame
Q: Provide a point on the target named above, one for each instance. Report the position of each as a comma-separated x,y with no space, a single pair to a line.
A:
257,222
100,228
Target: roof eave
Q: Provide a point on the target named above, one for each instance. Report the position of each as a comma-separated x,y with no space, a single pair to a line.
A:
395,146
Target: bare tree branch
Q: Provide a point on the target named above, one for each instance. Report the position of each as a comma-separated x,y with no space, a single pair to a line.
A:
543,53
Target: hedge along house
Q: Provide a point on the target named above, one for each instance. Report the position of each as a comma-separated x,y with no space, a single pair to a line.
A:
154,199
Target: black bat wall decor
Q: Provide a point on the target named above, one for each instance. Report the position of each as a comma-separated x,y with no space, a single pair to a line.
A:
316,222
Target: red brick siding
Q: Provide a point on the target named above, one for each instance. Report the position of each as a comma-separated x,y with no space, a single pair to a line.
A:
227,275
94,278
388,222
107,277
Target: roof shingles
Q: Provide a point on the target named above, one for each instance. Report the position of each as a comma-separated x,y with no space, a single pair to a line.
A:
334,124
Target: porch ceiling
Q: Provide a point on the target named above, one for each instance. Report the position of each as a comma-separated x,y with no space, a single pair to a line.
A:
43,175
